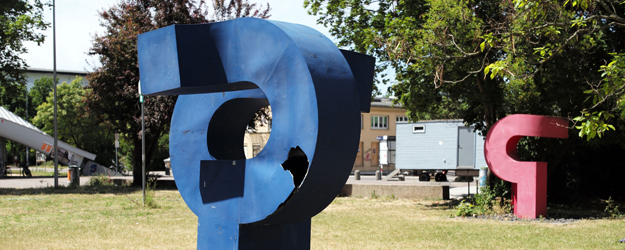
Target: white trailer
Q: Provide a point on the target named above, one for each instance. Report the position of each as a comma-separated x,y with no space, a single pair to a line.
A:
435,147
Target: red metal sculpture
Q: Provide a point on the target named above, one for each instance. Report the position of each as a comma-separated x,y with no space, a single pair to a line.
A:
529,179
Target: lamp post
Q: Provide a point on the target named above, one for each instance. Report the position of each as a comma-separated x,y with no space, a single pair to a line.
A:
116,146
142,144
27,149
56,143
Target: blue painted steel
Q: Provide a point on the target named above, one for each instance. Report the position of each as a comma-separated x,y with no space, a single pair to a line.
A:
229,70
362,67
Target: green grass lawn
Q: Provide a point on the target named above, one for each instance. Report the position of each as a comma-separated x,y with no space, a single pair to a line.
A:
404,224
92,220
110,219
62,173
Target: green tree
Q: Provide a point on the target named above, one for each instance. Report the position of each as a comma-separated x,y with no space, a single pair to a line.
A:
70,108
551,30
13,98
413,38
114,96
75,124
483,60
19,23
38,93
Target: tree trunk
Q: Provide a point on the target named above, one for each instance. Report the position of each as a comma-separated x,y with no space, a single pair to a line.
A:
151,142
489,120
488,108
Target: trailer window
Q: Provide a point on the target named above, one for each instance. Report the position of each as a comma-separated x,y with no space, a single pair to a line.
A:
418,129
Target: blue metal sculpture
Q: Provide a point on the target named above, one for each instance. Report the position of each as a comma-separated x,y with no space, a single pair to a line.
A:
225,72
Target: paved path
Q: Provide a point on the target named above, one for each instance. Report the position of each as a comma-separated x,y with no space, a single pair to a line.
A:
16,181
456,189
36,182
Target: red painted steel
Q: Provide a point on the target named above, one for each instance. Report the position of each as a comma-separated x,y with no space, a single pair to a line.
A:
529,179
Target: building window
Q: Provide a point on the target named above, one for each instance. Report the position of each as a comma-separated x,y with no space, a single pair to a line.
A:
255,149
379,122
401,119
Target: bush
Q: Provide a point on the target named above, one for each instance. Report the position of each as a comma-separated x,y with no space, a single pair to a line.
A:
150,200
611,209
488,201
99,181
465,209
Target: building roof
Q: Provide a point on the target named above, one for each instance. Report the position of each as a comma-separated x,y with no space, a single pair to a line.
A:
386,102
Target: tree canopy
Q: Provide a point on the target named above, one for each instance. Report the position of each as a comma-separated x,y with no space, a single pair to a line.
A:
70,108
13,98
38,94
20,22
76,126
482,60
114,96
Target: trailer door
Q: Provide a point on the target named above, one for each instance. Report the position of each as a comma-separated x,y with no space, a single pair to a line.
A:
466,147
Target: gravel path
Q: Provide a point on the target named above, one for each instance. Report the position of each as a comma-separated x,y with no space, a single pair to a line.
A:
513,218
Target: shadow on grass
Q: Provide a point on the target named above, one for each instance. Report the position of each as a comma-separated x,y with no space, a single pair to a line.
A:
101,186
70,190
595,208
443,204
589,209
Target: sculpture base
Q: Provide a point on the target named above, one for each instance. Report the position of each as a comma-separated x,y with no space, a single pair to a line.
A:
529,196
275,236
254,236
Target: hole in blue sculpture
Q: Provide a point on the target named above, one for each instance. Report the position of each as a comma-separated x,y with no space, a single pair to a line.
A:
257,132
226,129
297,164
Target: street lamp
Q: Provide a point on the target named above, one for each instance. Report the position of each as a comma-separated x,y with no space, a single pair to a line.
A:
27,149
56,140
142,145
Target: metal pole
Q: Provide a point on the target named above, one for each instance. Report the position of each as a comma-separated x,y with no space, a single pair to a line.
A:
143,151
56,142
27,149
116,164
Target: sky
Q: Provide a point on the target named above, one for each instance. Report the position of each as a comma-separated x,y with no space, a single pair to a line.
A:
77,22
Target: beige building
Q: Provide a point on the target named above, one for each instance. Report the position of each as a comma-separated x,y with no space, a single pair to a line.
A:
380,121
255,140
